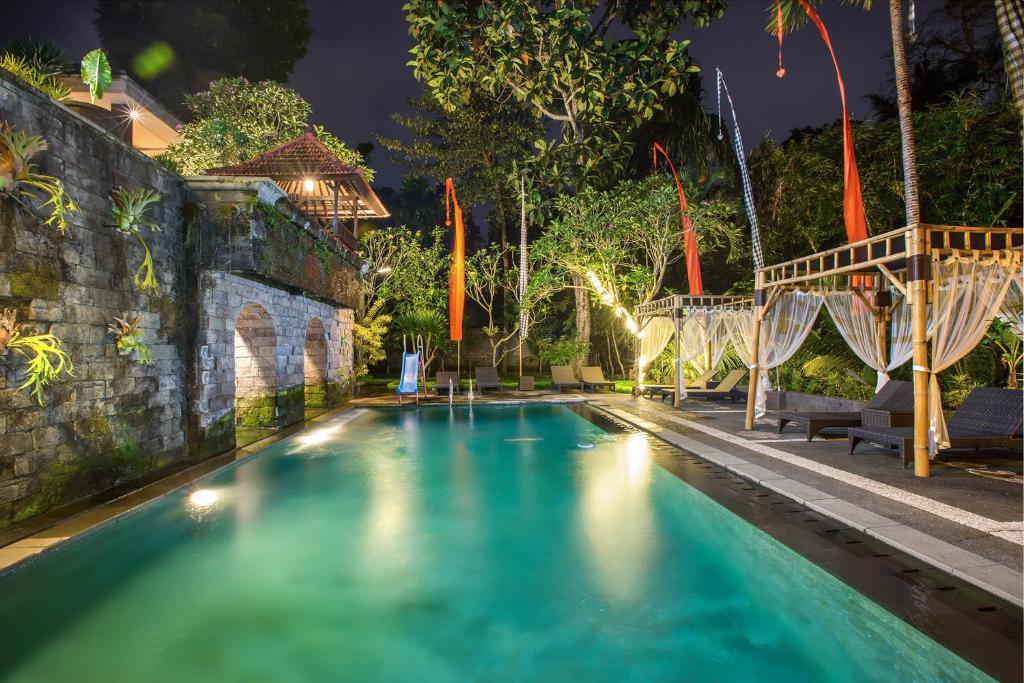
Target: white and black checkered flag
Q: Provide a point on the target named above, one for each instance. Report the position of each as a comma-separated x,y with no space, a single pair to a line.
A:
522,260
741,157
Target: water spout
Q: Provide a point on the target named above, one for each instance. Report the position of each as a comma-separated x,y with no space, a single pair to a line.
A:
451,391
470,390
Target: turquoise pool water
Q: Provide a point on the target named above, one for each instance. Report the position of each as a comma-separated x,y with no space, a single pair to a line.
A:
435,545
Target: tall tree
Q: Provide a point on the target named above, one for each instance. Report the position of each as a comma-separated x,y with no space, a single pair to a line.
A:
178,48
559,59
957,48
477,145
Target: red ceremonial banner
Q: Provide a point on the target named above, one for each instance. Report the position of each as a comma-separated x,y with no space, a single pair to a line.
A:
457,275
853,200
689,236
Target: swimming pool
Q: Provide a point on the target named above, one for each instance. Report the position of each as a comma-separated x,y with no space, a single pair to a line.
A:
428,544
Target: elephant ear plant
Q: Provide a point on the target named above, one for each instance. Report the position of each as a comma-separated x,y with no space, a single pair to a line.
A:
46,359
129,210
20,182
128,337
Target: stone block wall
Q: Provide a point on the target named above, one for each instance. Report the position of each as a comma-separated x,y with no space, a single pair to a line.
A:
115,420
227,388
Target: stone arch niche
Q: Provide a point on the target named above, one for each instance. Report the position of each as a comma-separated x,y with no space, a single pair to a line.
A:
314,367
255,369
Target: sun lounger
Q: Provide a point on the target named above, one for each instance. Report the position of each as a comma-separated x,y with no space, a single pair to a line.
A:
441,383
724,389
893,406
593,378
487,378
988,418
651,390
562,376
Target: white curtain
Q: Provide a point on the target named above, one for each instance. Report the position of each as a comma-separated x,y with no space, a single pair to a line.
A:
785,327
901,331
692,342
653,338
1013,305
739,324
968,294
858,324
717,338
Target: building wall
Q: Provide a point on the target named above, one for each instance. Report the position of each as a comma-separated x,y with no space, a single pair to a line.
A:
231,389
115,420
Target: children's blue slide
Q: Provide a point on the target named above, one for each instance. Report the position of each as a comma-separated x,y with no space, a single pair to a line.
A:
409,381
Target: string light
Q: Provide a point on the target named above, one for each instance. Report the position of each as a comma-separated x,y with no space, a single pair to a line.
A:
608,299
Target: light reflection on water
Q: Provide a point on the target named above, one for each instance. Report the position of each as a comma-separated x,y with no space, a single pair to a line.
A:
616,516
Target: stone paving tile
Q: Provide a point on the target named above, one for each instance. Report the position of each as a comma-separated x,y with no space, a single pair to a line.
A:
755,473
795,490
848,513
928,548
996,579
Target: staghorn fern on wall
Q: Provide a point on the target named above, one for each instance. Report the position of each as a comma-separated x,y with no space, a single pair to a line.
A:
129,210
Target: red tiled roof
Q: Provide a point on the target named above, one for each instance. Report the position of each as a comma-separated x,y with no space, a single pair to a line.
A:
303,157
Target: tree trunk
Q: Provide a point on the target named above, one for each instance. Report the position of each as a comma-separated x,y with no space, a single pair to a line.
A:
899,58
1010,17
582,315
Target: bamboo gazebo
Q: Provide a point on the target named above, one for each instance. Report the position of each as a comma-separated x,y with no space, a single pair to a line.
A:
706,312
965,275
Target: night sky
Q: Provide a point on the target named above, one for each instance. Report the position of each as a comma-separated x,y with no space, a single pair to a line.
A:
355,76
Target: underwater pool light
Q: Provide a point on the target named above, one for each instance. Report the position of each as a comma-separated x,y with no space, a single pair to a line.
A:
203,498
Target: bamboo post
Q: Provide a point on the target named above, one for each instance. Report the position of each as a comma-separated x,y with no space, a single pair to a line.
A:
883,302
759,302
919,281
677,323
707,352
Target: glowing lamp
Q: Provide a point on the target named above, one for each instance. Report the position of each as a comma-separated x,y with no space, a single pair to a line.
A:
308,185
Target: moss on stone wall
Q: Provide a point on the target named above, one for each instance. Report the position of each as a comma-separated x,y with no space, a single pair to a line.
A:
256,411
107,460
336,394
316,396
290,405
34,285
217,437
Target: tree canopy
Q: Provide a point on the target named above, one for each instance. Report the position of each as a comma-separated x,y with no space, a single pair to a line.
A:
178,48
236,120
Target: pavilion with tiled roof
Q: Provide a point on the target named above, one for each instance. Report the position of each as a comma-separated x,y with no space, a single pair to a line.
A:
316,181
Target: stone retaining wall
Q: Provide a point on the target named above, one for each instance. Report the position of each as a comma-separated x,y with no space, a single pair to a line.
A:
115,420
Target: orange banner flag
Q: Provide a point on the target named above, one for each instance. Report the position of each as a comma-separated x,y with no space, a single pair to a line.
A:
853,199
457,274
689,236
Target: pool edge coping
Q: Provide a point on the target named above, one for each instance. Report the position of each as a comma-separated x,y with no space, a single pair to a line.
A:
961,563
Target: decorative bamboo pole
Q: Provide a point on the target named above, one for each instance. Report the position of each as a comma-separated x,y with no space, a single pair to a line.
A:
918,284
755,355
677,322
